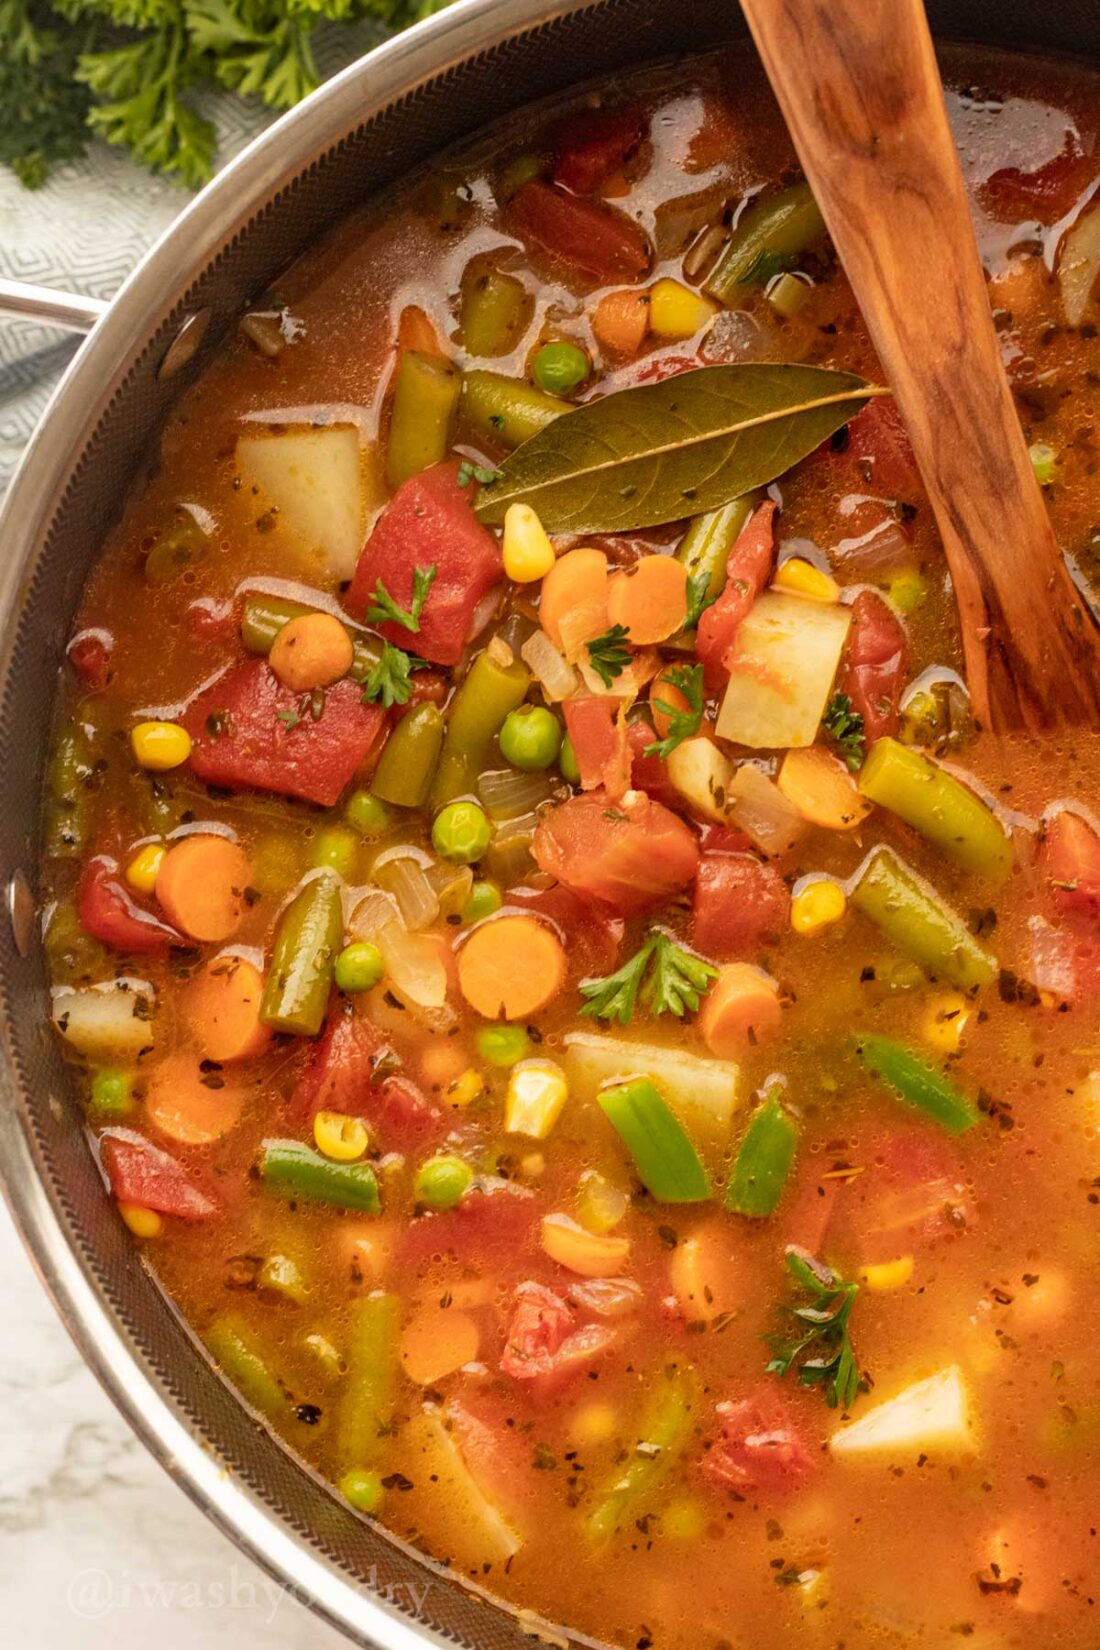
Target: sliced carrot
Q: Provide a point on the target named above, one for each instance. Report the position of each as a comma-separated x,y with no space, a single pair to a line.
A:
703,1270
436,1342
511,967
741,1008
222,1006
416,332
577,579
822,789
200,886
190,1105
620,321
312,651
650,599
664,692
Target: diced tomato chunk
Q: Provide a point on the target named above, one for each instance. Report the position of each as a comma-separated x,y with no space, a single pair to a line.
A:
490,1228
1047,192
747,572
649,773
590,934
913,1193
1071,861
878,439
590,235
739,903
596,725
403,1112
543,1345
89,653
594,145
429,687
343,1076
656,368
876,658
142,1173
429,522
247,729
758,1447
108,911
631,856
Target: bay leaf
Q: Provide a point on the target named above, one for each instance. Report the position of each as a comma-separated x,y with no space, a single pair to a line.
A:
662,452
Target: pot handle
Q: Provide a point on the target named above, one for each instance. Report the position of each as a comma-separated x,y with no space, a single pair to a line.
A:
71,311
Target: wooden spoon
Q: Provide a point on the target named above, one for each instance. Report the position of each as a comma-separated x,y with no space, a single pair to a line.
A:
858,83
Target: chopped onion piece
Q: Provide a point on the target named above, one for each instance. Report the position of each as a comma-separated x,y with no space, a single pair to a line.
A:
371,915
403,872
551,670
506,793
1079,266
758,805
606,1297
416,974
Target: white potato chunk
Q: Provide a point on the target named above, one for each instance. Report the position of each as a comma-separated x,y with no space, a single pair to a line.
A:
476,1531
933,1414
312,478
701,773
758,806
702,1092
784,662
106,1022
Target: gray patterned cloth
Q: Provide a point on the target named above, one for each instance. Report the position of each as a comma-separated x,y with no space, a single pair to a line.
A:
86,229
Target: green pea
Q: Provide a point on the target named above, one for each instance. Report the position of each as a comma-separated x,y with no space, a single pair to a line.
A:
368,814
567,762
530,738
112,1091
336,849
484,898
359,967
363,1489
442,1181
461,833
502,1045
559,368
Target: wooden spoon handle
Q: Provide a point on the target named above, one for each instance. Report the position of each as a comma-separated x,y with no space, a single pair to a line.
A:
858,83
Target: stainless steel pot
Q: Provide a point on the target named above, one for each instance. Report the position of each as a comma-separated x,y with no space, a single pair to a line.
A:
369,126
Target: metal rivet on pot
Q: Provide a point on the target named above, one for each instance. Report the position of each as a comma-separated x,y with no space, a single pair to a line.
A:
189,336
21,912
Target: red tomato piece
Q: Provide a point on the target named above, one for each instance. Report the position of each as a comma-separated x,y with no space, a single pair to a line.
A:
591,935
747,572
429,522
879,442
876,658
108,911
490,1228
590,235
247,729
89,653
649,773
342,1076
656,368
594,145
739,903
1071,861
1047,192
403,1112
542,1345
914,1193
596,724
630,857
758,1448
429,687
142,1173
210,618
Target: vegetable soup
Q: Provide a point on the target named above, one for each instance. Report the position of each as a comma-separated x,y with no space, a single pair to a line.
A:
598,1043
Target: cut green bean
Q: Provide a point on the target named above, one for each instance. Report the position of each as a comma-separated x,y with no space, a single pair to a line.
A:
367,1393
763,1161
494,310
409,757
295,1170
308,938
911,914
771,232
504,412
425,397
263,616
937,805
705,547
477,714
71,776
663,1434
917,1083
667,1163
237,1354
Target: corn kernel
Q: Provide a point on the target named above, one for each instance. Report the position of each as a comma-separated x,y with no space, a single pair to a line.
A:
340,1137
532,1165
589,1254
160,745
945,1021
802,578
593,1424
143,1222
677,311
887,1274
684,1520
528,553
442,1062
537,1091
467,1088
817,906
141,873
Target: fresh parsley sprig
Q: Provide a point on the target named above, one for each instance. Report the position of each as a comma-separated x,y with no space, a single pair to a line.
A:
388,681
610,653
682,723
845,728
822,1331
468,471
699,599
384,610
665,977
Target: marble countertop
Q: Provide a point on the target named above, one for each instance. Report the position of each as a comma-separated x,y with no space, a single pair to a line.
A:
99,1550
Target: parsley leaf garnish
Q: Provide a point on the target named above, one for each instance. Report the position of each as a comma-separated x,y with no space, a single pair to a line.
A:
667,978
822,1330
383,609
845,727
609,654
389,678
682,724
289,718
468,472
698,599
